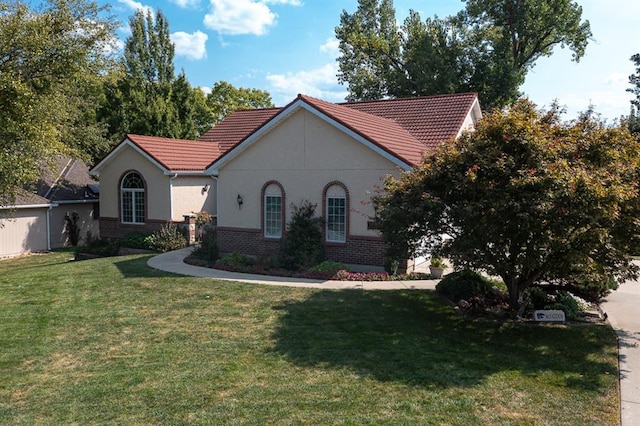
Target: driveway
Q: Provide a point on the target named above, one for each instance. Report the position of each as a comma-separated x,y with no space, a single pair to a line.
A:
623,308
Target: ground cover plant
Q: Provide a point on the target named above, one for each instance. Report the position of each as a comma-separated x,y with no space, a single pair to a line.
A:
111,341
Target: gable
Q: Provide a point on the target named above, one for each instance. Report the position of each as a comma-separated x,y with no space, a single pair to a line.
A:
171,156
305,141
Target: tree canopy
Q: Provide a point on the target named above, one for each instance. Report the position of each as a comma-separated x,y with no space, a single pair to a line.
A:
226,98
51,61
634,80
527,198
487,48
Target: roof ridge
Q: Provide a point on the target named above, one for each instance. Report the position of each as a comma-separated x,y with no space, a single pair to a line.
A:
441,95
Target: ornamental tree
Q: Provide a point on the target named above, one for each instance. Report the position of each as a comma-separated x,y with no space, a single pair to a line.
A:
527,198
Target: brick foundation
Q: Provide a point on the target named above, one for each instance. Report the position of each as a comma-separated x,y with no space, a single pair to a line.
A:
111,227
357,250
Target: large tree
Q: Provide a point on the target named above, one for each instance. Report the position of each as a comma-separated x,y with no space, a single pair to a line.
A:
634,79
52,59
488,47
146,97
527,198
226,98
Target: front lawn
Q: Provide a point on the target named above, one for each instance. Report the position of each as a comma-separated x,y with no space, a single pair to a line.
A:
113,341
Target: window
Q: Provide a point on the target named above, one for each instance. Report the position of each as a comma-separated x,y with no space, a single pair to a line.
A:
273,212
336,214
132,198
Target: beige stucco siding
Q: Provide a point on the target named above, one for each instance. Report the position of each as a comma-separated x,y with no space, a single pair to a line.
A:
25,231
189,197
156,185
303,153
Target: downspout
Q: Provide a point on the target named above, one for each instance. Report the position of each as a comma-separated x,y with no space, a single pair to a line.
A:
217,195
49,227
175,175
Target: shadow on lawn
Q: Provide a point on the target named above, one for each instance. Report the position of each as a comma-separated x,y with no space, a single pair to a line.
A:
414,337
135,266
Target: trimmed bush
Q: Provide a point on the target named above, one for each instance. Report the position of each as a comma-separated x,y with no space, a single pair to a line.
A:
208,249
464,285
136,240
302,246
168,238
329,266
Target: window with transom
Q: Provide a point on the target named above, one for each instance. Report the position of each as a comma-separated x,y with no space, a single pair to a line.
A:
132,199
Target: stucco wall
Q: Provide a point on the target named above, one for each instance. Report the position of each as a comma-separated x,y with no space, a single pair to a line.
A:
88,223
156,185
188,195
25,231
303,154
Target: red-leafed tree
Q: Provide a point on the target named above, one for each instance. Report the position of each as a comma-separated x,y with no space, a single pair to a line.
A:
527,198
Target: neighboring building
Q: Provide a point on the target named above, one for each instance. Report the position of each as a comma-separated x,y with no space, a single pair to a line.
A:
249,169
35,221
25,225
72,189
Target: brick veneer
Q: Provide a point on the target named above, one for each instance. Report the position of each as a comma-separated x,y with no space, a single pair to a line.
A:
357,250
111,227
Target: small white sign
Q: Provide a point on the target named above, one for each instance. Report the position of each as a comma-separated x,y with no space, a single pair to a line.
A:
549,315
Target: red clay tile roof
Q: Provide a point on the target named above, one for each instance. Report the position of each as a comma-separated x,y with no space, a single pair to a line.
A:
383,132
406,128
178,155
430,119
237,126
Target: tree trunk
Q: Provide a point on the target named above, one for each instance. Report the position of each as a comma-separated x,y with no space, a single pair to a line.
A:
515,296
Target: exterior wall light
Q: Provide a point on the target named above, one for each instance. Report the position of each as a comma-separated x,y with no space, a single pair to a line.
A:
239,200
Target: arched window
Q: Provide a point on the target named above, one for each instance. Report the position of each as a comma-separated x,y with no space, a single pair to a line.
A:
336,206
132,198
273,210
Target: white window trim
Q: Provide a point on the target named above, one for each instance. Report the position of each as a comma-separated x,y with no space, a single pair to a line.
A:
327,233
135,193
268,195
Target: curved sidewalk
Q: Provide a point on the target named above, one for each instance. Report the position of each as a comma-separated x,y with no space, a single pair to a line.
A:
173,261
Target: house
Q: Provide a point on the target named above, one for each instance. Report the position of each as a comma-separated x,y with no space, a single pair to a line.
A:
36,219
250,168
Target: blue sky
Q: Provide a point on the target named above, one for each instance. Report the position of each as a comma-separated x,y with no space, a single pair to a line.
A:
288,47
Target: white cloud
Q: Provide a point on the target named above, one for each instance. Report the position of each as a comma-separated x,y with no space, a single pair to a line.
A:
236,17
331,47
135,5
191,46
186,4
320,83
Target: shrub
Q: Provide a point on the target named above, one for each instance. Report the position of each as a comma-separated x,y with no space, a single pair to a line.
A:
236,261
464,285
302,246
564,301
329,266
539,298
136,240
208,249
99,246
168,238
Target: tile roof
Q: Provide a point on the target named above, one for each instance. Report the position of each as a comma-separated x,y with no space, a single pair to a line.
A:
430,119
178,155
386,133
406,128
237,126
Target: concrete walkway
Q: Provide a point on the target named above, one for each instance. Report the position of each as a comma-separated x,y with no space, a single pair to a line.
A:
621,306
173,262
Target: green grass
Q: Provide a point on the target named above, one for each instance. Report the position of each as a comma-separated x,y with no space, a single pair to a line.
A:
113,341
